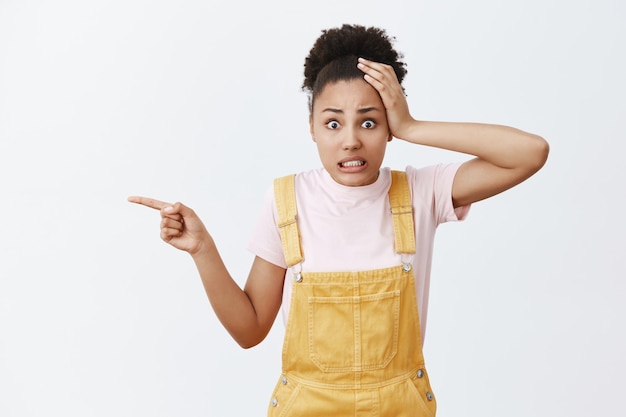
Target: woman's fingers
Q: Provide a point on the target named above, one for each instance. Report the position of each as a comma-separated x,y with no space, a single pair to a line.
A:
172,222
173,226
148,202
168,210
383,78
372,75
168,233
180,226
169,213
377,71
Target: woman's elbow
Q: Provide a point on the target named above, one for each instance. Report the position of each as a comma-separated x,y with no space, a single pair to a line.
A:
248,341
248,344
539,149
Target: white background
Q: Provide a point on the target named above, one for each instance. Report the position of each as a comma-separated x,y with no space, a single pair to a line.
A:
200,101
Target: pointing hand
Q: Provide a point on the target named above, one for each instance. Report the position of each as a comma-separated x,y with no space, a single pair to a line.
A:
180,226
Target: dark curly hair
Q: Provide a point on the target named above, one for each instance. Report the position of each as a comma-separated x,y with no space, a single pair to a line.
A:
335,53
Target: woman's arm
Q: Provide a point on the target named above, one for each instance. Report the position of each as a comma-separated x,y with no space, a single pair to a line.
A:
246,314
504,156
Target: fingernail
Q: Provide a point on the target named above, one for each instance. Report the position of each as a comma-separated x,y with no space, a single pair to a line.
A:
168,209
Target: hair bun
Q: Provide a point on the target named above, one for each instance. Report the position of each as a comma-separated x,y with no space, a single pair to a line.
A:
351,40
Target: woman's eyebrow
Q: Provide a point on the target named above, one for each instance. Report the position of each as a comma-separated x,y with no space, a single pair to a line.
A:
360,111
332,110
368,109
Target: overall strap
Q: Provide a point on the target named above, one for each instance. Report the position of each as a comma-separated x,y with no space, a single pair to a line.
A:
402,213
401,210
285,197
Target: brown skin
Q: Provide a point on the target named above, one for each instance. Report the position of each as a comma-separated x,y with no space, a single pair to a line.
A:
504,157
349,126
247,314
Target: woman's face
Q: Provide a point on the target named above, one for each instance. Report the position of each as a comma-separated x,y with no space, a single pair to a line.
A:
349,126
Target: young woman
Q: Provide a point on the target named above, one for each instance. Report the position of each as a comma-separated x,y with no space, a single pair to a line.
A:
346,249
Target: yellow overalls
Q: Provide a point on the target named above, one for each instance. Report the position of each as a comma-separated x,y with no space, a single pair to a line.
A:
352,343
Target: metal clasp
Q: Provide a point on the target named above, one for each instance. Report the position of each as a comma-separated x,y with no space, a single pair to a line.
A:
407,261
296,272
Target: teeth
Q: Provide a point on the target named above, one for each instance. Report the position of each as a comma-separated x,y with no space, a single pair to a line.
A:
352,163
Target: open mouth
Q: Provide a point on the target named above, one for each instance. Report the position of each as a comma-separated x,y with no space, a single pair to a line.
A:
351,164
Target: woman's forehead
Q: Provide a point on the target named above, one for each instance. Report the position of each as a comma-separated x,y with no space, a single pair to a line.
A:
347,95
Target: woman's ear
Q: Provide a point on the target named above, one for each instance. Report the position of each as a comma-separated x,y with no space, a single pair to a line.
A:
311,127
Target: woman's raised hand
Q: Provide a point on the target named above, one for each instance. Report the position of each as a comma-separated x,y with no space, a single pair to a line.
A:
180,226
383,78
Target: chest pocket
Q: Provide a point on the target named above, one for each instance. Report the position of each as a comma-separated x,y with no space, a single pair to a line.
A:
353,333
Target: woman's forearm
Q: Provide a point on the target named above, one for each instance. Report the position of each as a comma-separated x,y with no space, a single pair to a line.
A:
503,146
248,313
231,304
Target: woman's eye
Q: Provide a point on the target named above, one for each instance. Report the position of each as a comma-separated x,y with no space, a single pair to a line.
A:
368,124
333,124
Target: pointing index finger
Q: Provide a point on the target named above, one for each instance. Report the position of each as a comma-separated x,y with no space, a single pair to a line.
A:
148,202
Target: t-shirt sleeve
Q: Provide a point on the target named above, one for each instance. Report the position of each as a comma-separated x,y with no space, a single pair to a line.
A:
436,182
265,240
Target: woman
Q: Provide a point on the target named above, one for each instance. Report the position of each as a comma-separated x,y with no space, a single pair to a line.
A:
346,249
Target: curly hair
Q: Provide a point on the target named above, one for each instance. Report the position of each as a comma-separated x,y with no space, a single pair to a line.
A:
335,53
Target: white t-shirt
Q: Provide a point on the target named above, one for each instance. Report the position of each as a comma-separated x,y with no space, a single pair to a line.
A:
350,228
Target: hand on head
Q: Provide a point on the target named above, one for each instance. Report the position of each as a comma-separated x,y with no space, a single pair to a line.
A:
180,226
383,78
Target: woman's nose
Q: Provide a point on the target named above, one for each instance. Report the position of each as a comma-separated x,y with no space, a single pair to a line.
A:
351,141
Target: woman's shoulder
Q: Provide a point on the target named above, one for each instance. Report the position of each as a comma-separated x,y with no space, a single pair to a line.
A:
433,172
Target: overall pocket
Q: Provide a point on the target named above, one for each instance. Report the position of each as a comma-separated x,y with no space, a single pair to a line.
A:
423,392
283,397
353,333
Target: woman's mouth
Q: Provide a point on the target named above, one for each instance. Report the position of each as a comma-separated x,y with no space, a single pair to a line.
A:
351,164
